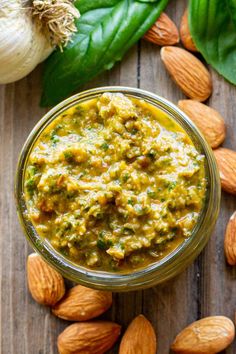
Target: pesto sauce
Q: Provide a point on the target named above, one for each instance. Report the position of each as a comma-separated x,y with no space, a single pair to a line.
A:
114,184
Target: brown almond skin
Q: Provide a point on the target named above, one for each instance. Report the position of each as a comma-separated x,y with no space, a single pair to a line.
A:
163,32
188,72
82,304
226,161
185,34
46,285
230,240
139,337
95,337
209,335
207,119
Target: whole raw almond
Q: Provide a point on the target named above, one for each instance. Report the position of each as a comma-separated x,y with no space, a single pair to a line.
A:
209,335
45,284
185,34
188,72
226,161
230,240
82,304
88,337
163,32
139,337
207,119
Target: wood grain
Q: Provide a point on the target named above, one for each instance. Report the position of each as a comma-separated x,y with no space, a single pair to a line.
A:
207,287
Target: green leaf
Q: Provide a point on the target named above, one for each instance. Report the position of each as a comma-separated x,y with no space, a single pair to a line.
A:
106,30
232,7
147,0
85,6
213,28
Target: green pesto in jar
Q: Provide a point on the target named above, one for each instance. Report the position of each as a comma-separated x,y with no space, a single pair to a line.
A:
114,184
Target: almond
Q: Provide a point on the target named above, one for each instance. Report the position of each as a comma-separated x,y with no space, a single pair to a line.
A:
209,335
139,337
188,72
230,240
45,284
163,32
226,161
82,304
185,34
208,120
88,337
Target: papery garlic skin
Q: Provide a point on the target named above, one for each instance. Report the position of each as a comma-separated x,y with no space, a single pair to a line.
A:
22,44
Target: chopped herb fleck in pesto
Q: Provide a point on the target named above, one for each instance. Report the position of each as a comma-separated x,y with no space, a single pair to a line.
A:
105,146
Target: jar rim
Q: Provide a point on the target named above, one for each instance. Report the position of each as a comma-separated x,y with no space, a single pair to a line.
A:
154,273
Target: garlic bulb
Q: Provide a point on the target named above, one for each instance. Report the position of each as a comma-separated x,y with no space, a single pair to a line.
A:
29,31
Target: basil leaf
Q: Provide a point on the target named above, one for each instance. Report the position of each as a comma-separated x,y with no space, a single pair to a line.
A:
232,7
106,30
147,0
85,6
214,33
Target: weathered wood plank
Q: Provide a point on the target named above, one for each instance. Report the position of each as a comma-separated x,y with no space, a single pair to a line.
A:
7,95
170,303
126,306
218,280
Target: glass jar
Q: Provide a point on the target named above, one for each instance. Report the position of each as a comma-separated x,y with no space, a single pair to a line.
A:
155,273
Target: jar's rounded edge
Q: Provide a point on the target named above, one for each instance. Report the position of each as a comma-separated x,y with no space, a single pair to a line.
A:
142,278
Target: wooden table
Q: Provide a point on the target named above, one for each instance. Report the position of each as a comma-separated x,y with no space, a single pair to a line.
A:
207,287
